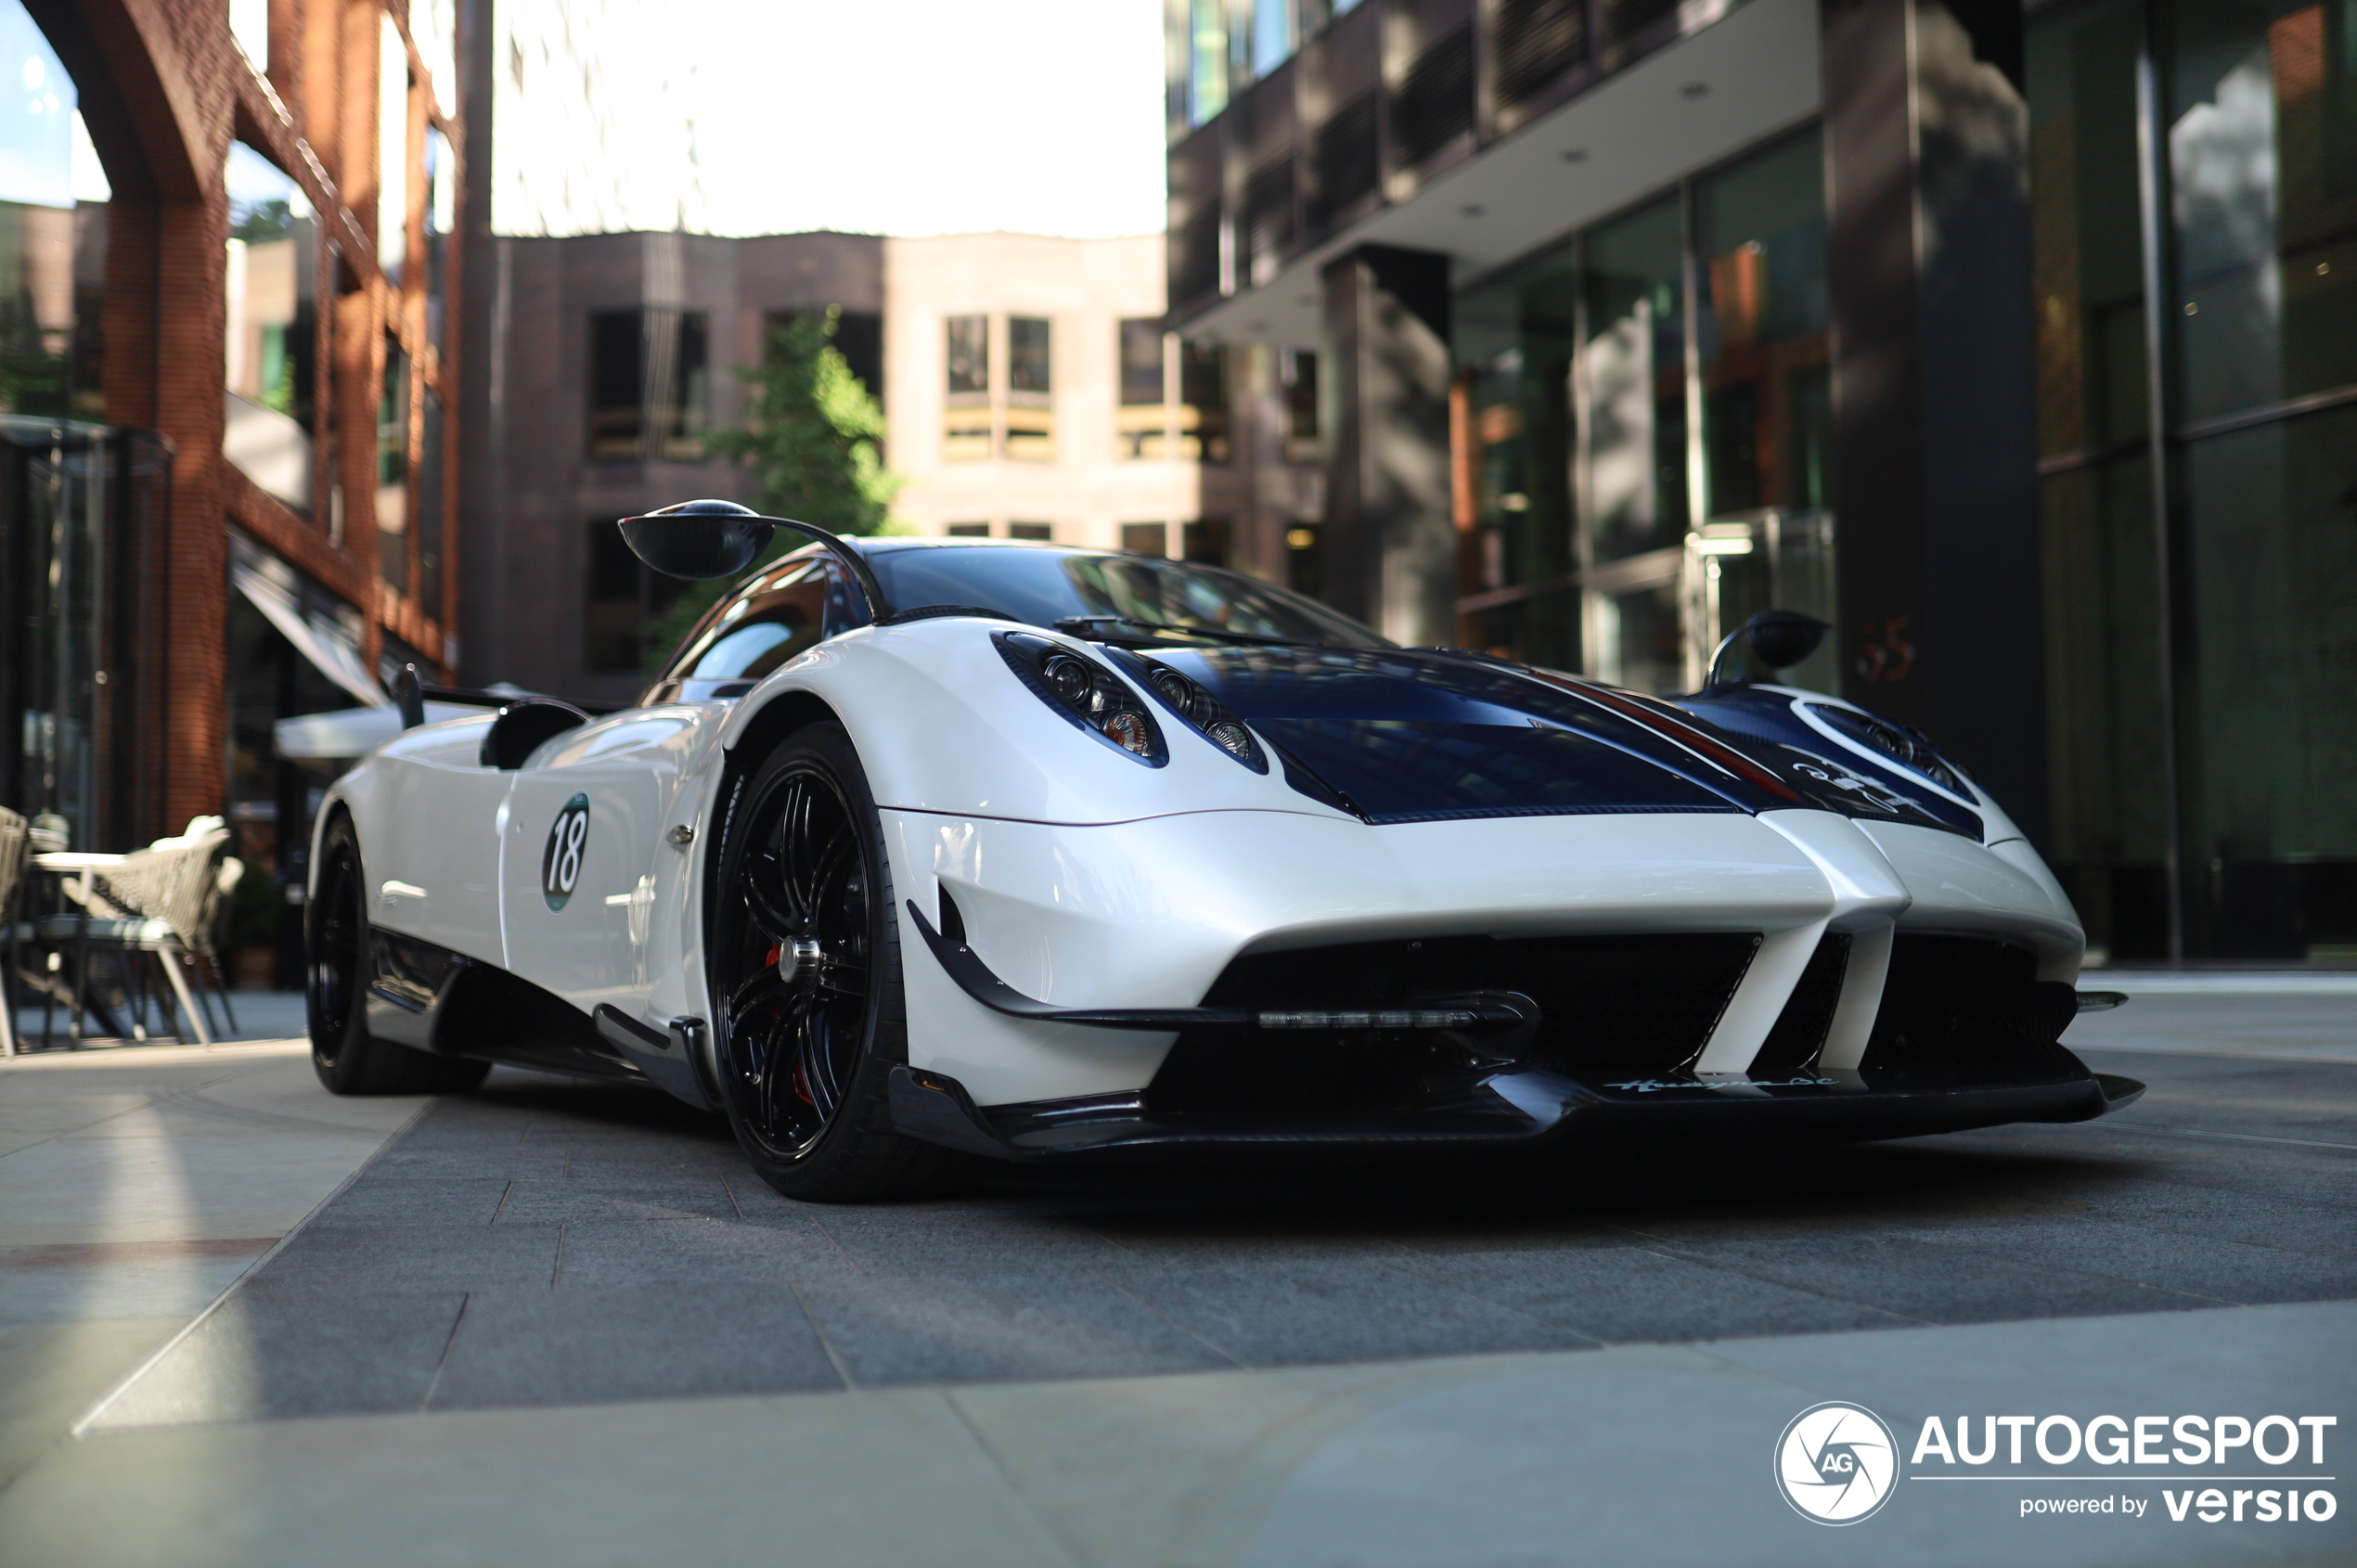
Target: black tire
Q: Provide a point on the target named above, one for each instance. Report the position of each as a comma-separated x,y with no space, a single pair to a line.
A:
348,1058
804,1048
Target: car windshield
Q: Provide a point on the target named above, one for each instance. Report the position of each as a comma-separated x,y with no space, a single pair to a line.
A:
1043,586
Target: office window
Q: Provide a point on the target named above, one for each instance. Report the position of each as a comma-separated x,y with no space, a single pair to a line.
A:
679,382
969,356
966,432
1141,421
272,332
1031,433
1041,531
970,531
1146,538
1205,541
1297,374
1304,572
609,624
858,338
617,384
393,468
1027,357
1202,396
1206,60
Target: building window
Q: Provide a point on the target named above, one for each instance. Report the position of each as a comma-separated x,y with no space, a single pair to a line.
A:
649,384
970,531
1274,37
1031,432
1146,538
617,384
1205,541
858,338
679,382
1297,375
271,287
1304,572
1142,420
966,435
1039,532
1203,398
393,469
1206,60
610,624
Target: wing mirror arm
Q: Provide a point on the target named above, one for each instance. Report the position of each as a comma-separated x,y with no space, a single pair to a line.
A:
702,539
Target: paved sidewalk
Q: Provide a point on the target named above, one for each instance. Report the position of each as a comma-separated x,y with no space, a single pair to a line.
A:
135,1184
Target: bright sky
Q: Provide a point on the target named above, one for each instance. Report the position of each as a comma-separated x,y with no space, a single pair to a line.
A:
914,117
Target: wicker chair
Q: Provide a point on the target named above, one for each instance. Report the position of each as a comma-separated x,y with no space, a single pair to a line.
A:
160,901
16,849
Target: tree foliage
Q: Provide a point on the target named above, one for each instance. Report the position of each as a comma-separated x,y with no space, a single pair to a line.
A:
812,437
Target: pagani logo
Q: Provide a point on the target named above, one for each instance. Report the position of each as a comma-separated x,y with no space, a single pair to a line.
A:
1836,1463
560,862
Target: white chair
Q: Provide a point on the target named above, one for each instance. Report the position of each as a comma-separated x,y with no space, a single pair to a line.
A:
157,900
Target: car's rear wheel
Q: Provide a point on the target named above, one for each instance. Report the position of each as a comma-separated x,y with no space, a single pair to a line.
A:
804,955
347,1057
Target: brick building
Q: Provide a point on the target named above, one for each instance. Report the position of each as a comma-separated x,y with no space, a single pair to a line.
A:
227,238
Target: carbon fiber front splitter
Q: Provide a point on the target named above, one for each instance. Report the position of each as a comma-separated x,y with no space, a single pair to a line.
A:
1526,1108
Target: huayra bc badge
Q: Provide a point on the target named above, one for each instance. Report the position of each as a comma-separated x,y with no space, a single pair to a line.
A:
560,862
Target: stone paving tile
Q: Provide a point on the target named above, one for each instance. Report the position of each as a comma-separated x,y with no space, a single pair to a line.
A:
1042,1325
2236,1272
349,1259
1631,1294
695,1251
584,1345
275,1350
600,1196
450,1200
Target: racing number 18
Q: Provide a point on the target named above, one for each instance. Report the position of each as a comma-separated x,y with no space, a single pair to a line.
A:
560,863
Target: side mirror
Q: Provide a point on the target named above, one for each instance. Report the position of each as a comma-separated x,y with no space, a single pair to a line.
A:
522,726
720,538
1781,638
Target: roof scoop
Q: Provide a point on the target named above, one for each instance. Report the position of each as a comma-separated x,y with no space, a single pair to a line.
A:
710,538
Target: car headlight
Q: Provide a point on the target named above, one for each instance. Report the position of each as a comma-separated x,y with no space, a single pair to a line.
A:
1085,693
1201,712
1901,745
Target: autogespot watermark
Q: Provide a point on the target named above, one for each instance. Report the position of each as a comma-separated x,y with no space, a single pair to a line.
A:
1838,1463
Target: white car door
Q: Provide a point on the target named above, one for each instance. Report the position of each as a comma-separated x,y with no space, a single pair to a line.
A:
585,823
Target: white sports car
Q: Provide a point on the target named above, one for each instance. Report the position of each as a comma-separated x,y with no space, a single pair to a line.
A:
1039,853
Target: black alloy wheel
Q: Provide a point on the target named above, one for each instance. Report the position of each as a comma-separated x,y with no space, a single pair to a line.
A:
805,978
345,1056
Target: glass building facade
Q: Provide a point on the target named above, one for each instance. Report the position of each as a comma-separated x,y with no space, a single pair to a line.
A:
2198,417
1647,407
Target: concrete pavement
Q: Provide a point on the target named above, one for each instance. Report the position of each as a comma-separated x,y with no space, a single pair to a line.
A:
553,1322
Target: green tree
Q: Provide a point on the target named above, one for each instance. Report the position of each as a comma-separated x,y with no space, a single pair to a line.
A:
812,436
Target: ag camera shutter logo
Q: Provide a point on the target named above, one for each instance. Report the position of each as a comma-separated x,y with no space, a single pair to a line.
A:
1836,1463
568,846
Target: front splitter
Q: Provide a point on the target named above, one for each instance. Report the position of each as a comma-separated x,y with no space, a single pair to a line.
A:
1519,1108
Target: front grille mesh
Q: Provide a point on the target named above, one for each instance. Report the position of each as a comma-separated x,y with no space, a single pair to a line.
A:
1611,1006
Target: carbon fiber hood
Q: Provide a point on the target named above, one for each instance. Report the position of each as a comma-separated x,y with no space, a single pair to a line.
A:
1413,735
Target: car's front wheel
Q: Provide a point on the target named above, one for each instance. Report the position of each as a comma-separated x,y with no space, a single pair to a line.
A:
804,955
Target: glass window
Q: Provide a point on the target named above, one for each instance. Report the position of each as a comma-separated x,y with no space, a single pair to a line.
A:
2269,705
1146,538
2262,152
1207,540
442,218
1141,361
1636,384
1206,60
1517,334
617,384
760,627
679,378
1759,249
969,356
611,609
1297,374
271,337
1043,586
393,468
393,151
2087,254
1273,37
969,530
1029,371
1203,394
429,501
1037,533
